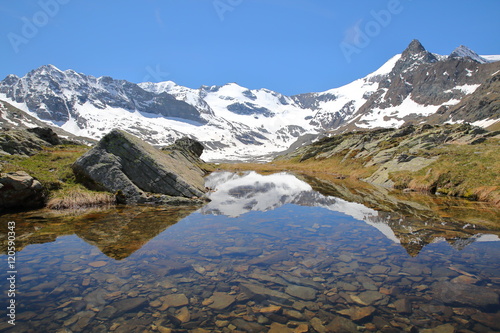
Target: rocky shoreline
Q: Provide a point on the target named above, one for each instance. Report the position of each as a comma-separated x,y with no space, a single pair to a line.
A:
130,170
457,160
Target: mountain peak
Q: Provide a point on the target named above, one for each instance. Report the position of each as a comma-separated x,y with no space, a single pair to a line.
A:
48,67
464,52
415,53
415,47
45,70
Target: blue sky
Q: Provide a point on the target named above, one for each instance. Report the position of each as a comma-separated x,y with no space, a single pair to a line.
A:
290,46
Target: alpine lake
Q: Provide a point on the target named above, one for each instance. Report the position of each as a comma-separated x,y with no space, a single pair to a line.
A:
269,253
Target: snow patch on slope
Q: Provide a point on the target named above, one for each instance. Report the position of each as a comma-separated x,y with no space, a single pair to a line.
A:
387,67
393,116
485,122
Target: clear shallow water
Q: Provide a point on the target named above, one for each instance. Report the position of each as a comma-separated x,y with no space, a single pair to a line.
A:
268,253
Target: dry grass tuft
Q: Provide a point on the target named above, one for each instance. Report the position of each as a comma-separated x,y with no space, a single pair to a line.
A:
79,198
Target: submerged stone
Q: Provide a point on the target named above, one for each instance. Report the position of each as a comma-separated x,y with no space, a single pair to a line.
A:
260,292
491,320
301,292
341,324
357,313
367,297
129,304
403,306
446,328
174,300
183,315
248,326
221,300
279,328
466,294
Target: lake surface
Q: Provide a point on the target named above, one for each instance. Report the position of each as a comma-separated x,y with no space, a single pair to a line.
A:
268,253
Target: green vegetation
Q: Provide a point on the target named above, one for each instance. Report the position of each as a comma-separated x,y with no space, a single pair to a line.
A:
52,167
469,171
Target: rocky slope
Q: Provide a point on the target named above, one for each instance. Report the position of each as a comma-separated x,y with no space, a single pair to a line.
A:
27,141
38,168
236,123
444,159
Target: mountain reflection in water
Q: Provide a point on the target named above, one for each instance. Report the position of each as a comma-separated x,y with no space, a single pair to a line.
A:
235,194
269,253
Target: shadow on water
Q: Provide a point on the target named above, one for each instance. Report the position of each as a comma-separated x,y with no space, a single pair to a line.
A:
277,253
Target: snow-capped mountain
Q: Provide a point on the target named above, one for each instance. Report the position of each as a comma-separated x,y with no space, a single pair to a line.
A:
410,87
464,52
236,123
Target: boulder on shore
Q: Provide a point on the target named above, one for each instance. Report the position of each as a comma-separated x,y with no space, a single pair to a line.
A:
27,141
133,169
20,190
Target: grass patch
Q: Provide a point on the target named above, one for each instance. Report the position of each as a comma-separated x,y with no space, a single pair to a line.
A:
469,171
52,167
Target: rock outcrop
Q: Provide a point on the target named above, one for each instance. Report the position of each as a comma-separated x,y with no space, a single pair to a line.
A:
27,141
139,173
189,148
18,190
409,148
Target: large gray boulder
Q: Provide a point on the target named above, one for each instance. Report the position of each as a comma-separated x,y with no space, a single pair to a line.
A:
124,164
19,190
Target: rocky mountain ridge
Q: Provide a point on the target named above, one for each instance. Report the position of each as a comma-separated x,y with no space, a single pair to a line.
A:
236,123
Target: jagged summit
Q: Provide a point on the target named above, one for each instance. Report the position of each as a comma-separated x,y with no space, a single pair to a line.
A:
414,47
464,52
417,52
45,69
